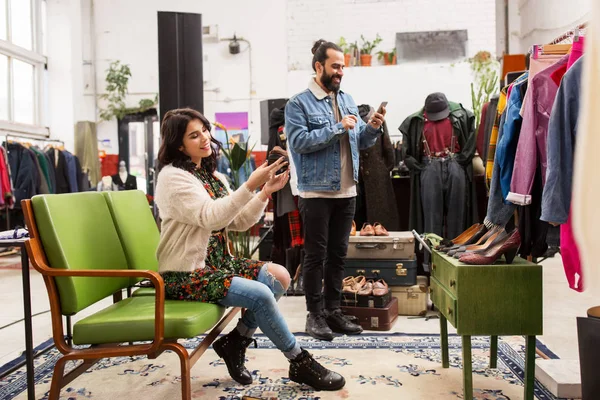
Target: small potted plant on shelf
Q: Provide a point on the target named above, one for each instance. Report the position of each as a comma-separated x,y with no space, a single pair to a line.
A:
346,48
389,57
366,49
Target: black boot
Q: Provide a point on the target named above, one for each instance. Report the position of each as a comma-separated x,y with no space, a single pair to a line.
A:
305,369
340,323
232,349
317,327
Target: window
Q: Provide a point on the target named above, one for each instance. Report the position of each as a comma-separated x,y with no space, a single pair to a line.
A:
22,66
432,46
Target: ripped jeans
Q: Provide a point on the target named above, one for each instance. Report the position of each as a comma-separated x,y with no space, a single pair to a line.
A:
260,298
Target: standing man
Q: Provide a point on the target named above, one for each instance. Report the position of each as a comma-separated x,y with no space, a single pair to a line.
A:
325,134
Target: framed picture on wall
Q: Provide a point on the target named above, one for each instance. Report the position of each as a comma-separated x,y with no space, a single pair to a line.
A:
236,124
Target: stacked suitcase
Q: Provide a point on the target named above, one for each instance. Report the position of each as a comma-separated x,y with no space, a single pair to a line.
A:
391,258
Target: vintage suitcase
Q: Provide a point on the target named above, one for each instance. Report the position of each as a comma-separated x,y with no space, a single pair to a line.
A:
351,299
393,272
412,300
375,319
399,245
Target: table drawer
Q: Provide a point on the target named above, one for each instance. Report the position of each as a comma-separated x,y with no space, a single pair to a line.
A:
445,273
444,301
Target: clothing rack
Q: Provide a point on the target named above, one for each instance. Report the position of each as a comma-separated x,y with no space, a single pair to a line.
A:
31,137
569,34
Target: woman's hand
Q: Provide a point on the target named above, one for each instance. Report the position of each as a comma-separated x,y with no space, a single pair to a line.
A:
264,173
276,183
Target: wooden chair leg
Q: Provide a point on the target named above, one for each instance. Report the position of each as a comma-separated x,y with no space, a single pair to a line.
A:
186,376
57,379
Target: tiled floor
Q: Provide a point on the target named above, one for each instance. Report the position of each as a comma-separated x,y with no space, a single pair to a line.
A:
561,306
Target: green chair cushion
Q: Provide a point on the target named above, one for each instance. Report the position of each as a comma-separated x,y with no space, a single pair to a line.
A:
132,319
136,227
77,232
145,291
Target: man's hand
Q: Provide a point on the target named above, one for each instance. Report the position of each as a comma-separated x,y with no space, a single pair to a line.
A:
377,119
349,121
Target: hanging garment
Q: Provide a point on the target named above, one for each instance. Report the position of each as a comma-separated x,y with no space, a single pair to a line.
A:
491,152
531,147
72,172
463,123
375,165
58,162
5,189
9,189
41,182
507,146
556,199
25,172
86,149
488,125
44,165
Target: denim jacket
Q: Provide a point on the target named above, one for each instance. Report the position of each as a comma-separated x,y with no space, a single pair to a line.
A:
313,138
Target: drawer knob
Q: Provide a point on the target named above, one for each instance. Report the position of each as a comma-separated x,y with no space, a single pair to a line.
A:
449,311
452,283
433,267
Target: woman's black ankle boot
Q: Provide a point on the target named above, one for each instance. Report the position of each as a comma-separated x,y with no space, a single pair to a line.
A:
232,349
305,369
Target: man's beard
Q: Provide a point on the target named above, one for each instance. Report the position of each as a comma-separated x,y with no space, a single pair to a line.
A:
327,81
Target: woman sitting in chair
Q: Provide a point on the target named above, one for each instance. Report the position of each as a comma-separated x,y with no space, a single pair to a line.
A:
197,208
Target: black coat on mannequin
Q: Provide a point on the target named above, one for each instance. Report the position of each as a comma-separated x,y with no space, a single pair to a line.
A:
129,184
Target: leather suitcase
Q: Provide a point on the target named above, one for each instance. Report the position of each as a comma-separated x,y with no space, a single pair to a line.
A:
393,272
351,299
375,319
399,245
412,300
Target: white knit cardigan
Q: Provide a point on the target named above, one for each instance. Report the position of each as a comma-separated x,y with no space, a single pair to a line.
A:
189,215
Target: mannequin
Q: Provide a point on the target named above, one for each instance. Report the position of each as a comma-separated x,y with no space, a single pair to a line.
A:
106,185
123,180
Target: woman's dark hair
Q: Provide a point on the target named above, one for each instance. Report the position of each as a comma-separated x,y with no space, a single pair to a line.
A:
172,130
319,51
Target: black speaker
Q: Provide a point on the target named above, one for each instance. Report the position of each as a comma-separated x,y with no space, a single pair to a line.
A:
180,61
266,106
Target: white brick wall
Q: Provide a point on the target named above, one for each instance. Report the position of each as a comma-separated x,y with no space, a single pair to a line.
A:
543,20
309,20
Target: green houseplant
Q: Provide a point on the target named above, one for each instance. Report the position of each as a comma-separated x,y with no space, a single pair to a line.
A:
367,48
117,79
388,57
238,156
485,81
346,49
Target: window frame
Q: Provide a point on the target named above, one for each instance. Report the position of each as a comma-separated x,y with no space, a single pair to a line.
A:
39,62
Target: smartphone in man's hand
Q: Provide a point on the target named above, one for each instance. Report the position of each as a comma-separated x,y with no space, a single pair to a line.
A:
382,106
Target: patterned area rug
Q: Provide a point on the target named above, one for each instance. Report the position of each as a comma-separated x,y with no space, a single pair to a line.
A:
399,366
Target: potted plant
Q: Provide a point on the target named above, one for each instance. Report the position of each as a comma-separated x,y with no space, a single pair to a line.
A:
346,47
366,49
238,156
389,57
117,80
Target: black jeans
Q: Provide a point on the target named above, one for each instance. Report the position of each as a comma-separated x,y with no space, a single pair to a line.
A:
327,225
443,196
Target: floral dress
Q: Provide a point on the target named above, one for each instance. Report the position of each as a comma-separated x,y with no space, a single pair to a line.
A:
211,283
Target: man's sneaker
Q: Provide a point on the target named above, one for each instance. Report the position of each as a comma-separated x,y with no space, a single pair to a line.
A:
305,369
317,327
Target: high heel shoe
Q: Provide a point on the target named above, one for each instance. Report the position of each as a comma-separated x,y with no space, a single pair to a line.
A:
460,239
367,230
482,239
353,230
497,236
507,247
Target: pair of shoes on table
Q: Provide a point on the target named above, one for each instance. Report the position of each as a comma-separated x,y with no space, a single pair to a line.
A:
479,237
460,239
321,325
508,246
303,369
373,230
494,234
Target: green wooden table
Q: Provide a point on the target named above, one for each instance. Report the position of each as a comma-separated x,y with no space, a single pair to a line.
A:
488,300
